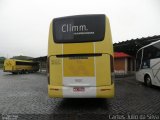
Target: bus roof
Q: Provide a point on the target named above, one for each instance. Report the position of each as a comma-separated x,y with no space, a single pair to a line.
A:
149,45
21,60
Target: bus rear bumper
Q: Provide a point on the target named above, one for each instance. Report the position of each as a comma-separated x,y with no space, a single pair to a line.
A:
7,71
85,92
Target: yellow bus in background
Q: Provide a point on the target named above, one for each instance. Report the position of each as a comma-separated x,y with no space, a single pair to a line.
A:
20,66
80,57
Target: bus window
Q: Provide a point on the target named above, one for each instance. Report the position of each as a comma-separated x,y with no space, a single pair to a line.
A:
157,51
158,54
80,28
147,55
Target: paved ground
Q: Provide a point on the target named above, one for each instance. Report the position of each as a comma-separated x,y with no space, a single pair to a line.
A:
25,97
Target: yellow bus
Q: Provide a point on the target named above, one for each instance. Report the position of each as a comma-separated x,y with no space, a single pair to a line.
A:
80,57
20,66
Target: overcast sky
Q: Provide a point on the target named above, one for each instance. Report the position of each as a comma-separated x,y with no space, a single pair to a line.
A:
24,24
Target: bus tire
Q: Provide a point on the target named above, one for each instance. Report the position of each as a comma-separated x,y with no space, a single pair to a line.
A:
14,73
25,71
21,72
147,80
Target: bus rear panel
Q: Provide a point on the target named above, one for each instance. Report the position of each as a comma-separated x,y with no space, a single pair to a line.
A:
80,57
9,65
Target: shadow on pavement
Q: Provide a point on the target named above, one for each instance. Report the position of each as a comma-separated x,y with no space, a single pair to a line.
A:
153,87
10,74
83,103
157,88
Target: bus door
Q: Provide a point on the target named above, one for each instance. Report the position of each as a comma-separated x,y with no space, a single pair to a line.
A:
139,62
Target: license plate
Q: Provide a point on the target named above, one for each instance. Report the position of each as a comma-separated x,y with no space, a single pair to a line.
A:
78,89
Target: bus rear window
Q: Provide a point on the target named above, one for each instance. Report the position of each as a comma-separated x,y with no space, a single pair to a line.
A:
76,29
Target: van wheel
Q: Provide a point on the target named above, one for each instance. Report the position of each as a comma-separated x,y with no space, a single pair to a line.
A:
148,81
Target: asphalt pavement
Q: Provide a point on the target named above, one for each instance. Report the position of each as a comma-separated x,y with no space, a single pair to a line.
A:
25,96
